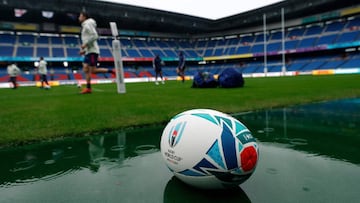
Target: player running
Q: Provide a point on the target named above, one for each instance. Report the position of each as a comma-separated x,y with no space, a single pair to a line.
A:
90,49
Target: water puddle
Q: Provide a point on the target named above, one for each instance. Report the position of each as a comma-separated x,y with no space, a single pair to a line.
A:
308,153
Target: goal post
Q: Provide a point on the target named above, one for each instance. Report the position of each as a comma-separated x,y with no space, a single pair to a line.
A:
116,51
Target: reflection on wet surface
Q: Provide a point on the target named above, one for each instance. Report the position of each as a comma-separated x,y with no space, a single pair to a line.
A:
308,153
329,128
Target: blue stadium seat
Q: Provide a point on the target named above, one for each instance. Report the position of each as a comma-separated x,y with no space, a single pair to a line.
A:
307,42
201,52
276,46
123,53
332,64
243,50
43,40
146,53
208,52
126,43
170,53
25,51
191,53
103,42
158,51
291,44
257,48
221,42
211,43
6,50
355,22
72,52
276,35
162,44
58,52
26,77
335,26
351,63
201,44
247,39
298,32
326,39
233,41
42,51
314,30
7,39
26,39
259,68
150,43
186,44
231,51
109,41
252,68
133,53
274,68
260,38
173,44
56,40
348,37
74,41
104,52
139,43
169,71
313,65
218,51
296,66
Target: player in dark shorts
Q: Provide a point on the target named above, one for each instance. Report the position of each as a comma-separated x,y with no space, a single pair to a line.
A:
181,67
157,63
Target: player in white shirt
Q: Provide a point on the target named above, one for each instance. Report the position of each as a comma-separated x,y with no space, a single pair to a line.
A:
43,73
13,72
90,49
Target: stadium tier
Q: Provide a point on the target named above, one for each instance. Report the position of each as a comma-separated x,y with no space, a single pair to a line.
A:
308,36
332,35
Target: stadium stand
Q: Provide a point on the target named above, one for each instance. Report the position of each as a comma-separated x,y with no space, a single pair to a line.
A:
336,36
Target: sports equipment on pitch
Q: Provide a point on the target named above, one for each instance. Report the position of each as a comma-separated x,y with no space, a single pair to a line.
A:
209,149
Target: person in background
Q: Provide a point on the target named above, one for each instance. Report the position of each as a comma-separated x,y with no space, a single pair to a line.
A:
13,72
43,73
67,72
90,50
181,67
52,74
157,63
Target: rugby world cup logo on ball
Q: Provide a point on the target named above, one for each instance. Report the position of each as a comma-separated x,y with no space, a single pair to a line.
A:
209,149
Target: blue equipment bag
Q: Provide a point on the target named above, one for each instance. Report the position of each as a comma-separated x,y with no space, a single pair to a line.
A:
204,80
230,77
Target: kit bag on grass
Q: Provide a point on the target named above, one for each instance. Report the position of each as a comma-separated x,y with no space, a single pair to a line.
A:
230,77
204,80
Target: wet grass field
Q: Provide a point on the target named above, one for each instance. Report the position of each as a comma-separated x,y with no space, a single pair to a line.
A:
30,114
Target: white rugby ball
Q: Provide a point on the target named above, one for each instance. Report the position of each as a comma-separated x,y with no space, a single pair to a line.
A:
209,149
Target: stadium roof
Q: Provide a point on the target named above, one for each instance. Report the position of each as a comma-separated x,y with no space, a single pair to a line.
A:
152,20
210,9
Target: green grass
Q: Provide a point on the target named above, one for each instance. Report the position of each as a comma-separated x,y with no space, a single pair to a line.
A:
31,114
